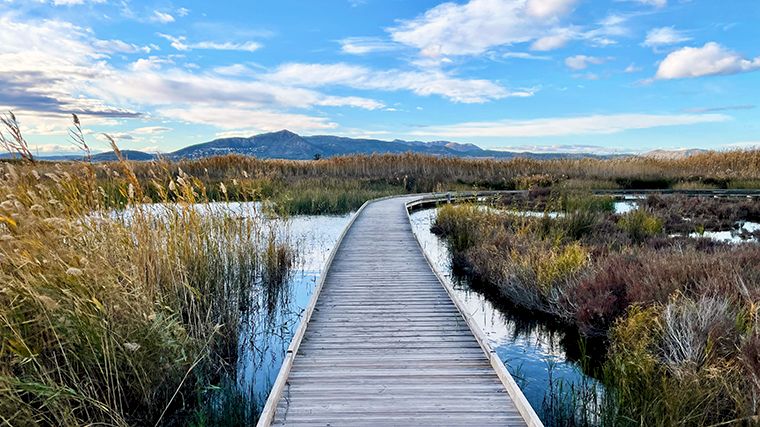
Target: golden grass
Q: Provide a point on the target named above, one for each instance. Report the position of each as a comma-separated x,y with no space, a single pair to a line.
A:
118,317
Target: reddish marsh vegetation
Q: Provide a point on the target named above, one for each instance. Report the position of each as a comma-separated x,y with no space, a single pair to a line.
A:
680,314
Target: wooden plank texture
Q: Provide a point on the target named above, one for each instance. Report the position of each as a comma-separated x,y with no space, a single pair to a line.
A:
386,345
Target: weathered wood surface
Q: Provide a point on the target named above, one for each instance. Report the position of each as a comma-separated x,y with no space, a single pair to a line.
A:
385,344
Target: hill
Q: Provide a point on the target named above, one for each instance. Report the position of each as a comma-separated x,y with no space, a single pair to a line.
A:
288,145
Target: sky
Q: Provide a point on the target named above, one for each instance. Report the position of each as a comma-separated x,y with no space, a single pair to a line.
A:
522,75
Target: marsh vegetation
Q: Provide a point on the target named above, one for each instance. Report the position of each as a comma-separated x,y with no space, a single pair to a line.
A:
177,313
677,311
131,291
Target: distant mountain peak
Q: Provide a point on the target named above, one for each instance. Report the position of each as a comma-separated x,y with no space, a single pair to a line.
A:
284,144
281,133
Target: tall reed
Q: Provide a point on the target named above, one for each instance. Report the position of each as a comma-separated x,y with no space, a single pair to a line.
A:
122,317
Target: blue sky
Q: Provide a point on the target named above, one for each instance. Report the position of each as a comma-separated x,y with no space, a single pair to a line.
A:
538,75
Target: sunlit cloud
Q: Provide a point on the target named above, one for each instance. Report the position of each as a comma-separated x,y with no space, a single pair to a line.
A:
564,126
708,60
423,83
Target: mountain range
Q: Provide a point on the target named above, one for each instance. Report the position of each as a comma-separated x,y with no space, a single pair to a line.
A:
288,145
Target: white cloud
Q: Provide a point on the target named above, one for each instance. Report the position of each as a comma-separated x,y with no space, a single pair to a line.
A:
664,36
558,39
244,46
655,3
161,17
180,43
151,130
710,59
478,26
632,68
525,55
253,120
423,83
583,125
607,30
602,33
119,46
475,27
581,62
52,78
45,82
149,63
44,123
549,8
74,2
364,45
54,149
161,87
234,70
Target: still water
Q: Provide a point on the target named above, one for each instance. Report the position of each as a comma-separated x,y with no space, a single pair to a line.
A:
268,326
540,357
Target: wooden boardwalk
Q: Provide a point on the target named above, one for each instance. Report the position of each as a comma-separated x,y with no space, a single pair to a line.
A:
384,344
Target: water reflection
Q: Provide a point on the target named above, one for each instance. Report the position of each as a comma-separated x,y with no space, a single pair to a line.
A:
538,354
272,313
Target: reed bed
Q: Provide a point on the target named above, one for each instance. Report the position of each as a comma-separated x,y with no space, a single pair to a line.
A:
123,317
342,184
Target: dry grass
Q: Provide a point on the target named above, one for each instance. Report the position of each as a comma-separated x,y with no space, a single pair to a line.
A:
121,317
341,184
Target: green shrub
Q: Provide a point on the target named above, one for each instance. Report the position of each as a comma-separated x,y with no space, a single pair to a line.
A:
640,225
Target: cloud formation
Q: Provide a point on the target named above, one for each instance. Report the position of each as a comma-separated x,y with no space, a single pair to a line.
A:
44,83
709,60
180,43
581,62
564,126
161,17
478,25
37,75
365,45
664,36
425,83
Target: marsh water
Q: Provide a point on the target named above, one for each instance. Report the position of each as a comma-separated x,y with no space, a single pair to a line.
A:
543,358
539,356
267,329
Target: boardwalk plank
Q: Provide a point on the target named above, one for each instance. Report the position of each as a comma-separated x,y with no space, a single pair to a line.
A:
385,344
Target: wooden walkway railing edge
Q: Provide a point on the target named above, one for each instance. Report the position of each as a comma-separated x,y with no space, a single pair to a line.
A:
423,200
268,413
521,403
519,399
